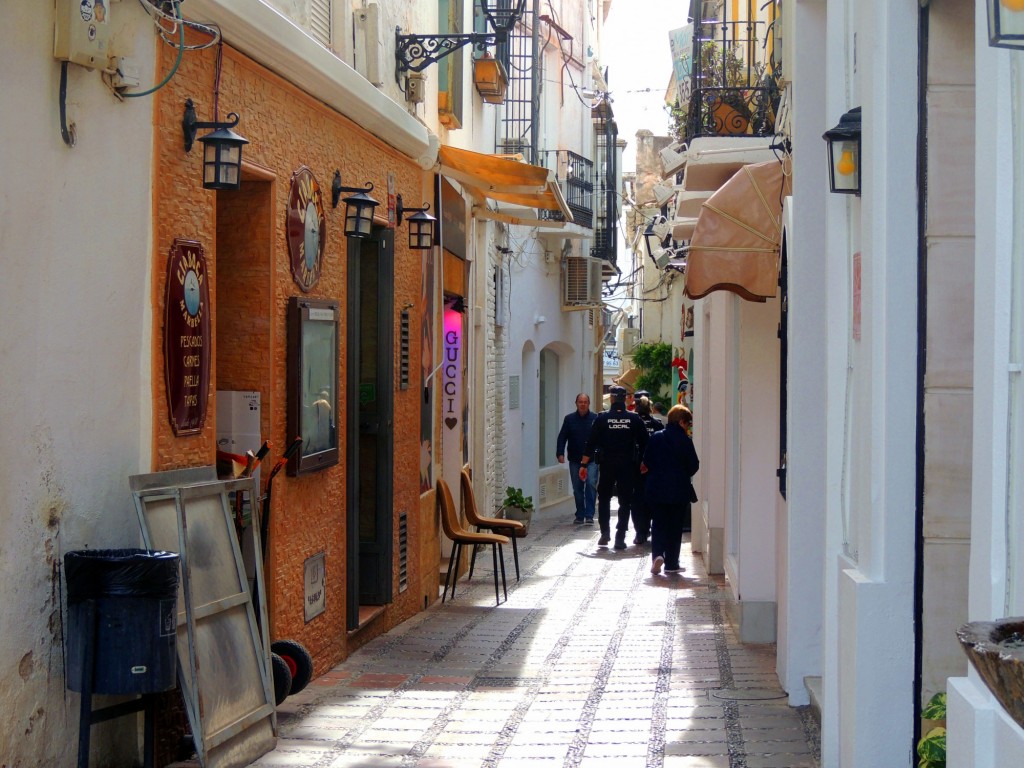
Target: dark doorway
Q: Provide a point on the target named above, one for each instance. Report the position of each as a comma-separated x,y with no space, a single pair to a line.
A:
369,447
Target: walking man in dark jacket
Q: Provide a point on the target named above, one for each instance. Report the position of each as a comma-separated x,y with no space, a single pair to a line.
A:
573,436
621,437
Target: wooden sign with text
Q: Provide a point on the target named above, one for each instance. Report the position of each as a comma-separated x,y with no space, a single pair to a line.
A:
187,337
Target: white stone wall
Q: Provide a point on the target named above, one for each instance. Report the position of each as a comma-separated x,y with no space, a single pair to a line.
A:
980,733
496,391
75,329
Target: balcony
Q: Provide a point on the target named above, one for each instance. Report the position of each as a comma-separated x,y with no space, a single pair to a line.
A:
735,91
575,176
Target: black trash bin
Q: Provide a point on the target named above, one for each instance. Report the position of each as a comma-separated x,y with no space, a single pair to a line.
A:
122,613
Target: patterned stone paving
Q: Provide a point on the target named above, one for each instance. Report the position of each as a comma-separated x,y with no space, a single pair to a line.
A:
591,663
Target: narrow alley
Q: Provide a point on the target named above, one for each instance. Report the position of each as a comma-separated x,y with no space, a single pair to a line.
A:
592,661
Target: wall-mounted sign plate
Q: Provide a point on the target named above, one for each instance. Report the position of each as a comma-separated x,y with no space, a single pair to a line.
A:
315,586
187,338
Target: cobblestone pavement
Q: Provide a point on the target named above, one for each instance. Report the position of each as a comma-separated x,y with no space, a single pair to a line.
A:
592,661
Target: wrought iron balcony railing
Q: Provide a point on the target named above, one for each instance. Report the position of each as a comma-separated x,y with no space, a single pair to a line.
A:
734,92
575,176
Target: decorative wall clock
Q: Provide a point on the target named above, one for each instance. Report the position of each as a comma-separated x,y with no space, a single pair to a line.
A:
306,228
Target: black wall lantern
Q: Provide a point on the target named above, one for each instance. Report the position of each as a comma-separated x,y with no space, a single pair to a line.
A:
222,149
358,208
844,154
421,225
1006,23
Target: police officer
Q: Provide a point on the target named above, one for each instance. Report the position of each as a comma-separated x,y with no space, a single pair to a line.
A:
638,507
621,438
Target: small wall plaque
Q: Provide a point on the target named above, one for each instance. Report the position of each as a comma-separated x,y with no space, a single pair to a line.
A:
315,587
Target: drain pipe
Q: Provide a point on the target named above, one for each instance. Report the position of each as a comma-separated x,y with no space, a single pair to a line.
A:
922,351
535,77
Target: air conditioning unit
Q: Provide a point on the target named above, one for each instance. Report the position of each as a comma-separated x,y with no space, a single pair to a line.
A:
582,283
673,158
630,338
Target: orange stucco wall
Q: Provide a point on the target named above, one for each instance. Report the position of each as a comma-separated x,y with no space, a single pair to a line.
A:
243,234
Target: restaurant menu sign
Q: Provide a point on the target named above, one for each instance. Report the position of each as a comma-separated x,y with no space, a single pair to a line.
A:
187,337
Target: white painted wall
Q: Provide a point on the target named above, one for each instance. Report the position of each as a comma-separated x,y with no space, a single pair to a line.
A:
802,522
980,734
869,651
758,417
76,323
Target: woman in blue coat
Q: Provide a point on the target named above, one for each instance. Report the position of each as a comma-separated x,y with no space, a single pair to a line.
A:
669,462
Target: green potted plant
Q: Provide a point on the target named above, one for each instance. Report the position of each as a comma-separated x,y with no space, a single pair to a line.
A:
931,749
516,506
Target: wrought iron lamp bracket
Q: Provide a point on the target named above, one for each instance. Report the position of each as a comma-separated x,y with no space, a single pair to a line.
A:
190,125
417,52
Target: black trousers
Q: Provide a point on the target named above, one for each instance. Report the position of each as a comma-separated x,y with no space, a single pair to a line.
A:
667,523
616,479
638,508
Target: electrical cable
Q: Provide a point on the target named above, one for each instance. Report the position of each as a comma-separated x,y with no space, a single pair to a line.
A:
67,133
177,62
158,14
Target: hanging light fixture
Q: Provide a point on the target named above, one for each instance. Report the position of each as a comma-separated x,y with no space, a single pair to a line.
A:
656,236
359,207
844,154
222,149
1006,23
421,225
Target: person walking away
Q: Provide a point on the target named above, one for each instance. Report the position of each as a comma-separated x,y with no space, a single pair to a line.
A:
669,463
638,507
572,439
658,412
619,437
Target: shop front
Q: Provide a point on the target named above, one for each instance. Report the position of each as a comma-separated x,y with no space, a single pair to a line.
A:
314,328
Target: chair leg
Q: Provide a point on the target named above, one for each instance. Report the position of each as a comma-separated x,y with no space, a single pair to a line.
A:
494,557
458,560
448,575
472,562
515,553
504,584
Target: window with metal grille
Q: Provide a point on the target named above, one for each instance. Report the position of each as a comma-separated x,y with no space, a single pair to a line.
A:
516,137
606,134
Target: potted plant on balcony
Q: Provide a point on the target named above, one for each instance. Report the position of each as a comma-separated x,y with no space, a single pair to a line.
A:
516,506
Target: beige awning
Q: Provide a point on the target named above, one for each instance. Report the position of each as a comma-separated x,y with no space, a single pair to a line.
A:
504,180
628,379
735,245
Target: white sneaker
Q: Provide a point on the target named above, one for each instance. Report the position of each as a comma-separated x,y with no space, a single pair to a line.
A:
656,565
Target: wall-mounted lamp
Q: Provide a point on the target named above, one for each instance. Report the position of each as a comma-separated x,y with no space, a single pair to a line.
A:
656,236
1006,23
844,154
417,52
358,208
421,225
222,149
